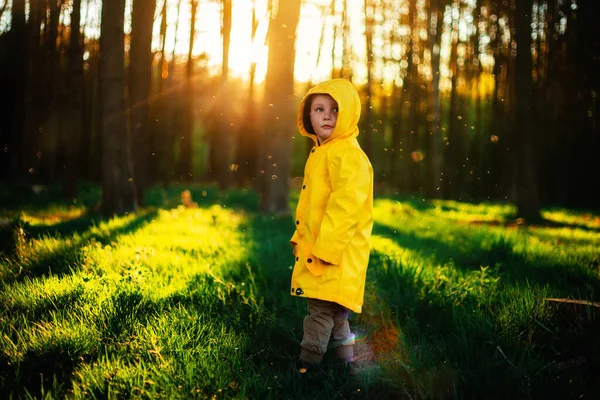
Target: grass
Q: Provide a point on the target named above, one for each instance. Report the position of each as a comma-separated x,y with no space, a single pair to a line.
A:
174,302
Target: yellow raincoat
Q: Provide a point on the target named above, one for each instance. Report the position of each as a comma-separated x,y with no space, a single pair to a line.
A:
334,213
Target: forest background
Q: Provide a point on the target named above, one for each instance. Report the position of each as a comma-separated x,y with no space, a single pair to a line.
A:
195,90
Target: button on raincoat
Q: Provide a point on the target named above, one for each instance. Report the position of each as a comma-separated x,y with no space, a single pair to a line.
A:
334,213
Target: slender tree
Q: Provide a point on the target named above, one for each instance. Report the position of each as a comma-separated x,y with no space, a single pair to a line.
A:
173,120
140,75
187,137
73,121
15,147
117,180
452,159
219,131
247,153
526,159
279,120
367,137
435,142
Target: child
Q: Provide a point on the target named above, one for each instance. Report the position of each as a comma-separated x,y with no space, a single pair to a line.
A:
333,221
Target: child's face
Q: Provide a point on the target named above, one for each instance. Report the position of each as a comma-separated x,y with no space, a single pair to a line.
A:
323,115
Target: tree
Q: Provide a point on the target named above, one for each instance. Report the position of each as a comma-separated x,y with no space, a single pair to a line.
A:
526,159
187,137
140,75
219,131
74,112
368,122
117,172
434,140
247,147
279,121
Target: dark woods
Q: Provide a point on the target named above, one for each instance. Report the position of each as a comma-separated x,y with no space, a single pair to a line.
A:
465,114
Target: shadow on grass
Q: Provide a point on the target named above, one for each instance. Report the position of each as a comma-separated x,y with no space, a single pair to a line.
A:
65,258
513,266
47,370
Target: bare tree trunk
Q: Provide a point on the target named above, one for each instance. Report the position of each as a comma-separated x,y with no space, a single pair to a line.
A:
16,147
219,132
34,85
334,72
279,124
246,156
117,180
227,11
172,120
187,139
412,137
435,148
368,112
140,76
159,107
347,44
74,112
527,190
51,92
452,160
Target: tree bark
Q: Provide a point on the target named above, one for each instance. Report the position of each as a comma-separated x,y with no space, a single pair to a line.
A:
435,141
220,130
117,180
367,139
17,38
452,157
412,137
527,190
140,76
187,139
246,156
279,120
73,123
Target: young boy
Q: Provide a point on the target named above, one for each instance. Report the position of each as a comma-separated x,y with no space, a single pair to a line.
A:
334,220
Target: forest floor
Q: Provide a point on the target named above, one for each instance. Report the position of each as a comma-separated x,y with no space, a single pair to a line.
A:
176,302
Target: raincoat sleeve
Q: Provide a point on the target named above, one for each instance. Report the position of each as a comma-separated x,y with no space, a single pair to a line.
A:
350,174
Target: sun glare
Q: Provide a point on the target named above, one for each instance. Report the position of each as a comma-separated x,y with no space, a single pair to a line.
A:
243,51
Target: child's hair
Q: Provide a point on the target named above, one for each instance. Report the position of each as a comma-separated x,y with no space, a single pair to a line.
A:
306,115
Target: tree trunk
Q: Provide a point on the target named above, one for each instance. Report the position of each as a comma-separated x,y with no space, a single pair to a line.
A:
527,190
412,137
434,119
50,120
74,101
16,147
187,136
117,180
140,76
452,160
172,111
246,156
219,132
367,139
279,121
34,91
159,107
346,44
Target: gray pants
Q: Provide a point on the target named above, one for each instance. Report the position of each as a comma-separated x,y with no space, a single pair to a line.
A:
326,325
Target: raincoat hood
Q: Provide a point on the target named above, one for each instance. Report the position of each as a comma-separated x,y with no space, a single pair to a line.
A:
346,96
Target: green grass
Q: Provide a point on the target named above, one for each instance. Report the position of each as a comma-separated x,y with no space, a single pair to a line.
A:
193,303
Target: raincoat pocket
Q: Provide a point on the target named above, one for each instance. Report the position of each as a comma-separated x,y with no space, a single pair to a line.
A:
312,263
